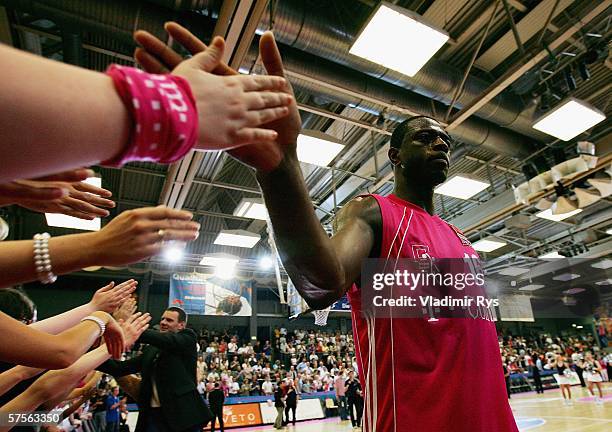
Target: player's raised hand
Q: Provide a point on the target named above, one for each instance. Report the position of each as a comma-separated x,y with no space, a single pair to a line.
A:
156,57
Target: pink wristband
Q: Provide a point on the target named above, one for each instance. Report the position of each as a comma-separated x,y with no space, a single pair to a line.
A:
164,115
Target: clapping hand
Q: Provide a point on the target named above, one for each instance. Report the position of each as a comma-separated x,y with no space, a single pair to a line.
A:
64,193
134,326
127,309
110,297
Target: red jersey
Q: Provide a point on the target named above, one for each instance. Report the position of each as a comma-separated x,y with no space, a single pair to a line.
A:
428,375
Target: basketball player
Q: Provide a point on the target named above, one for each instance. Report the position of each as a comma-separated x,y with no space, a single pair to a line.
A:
418,374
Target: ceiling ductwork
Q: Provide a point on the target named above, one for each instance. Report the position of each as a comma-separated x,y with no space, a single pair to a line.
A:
473,131
119,19
320,32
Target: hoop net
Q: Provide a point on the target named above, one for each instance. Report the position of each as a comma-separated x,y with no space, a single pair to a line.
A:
321,316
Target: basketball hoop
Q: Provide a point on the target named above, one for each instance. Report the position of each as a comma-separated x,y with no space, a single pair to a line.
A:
321,316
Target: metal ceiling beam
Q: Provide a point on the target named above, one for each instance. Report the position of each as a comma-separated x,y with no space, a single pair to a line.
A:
357,95
526,29
354,122
515,33
517,71
88,47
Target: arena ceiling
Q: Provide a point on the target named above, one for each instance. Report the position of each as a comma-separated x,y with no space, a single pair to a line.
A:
359,103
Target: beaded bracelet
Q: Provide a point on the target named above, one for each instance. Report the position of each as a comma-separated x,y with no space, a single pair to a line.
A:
42,260
97,321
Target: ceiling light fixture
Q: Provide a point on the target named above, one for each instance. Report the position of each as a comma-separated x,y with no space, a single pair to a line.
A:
173,254
572,291
604,282
64,221
219,259
462,186
266,262
390,22
253,208
488,245
317,148
551,255
565,277
532,287
603,264
513,271
547,214
237,238
569,119
224,264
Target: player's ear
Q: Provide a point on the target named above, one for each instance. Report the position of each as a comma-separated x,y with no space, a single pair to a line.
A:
393,154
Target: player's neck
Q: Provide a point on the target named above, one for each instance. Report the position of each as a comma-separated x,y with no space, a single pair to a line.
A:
422,197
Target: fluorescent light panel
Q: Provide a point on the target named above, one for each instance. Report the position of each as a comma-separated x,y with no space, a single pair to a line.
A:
488,245
391,23
211,260
513,271
253,208
547,214
569,119
603,264
566,277
551,255
317,148
64,221
238,238
461,186
574,291
531,287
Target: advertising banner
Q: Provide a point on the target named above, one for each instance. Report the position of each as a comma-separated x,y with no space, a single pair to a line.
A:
307,409
240,415
200,294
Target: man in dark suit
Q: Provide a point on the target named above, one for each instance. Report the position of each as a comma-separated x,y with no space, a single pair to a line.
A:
168,398
354,398
215,400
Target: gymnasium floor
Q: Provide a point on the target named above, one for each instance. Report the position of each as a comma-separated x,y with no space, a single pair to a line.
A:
533,412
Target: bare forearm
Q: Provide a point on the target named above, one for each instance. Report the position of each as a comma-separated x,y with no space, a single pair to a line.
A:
68,253
58,323
53,384
60,116
305,249
38,349
13,376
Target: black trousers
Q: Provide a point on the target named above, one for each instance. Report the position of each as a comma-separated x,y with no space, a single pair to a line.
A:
538,384
292,408
217,414
580,373
355,416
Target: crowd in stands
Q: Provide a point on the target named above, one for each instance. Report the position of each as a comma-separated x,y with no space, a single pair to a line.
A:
520,354
309,359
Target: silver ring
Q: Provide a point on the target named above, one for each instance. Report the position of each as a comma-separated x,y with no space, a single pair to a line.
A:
161,233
